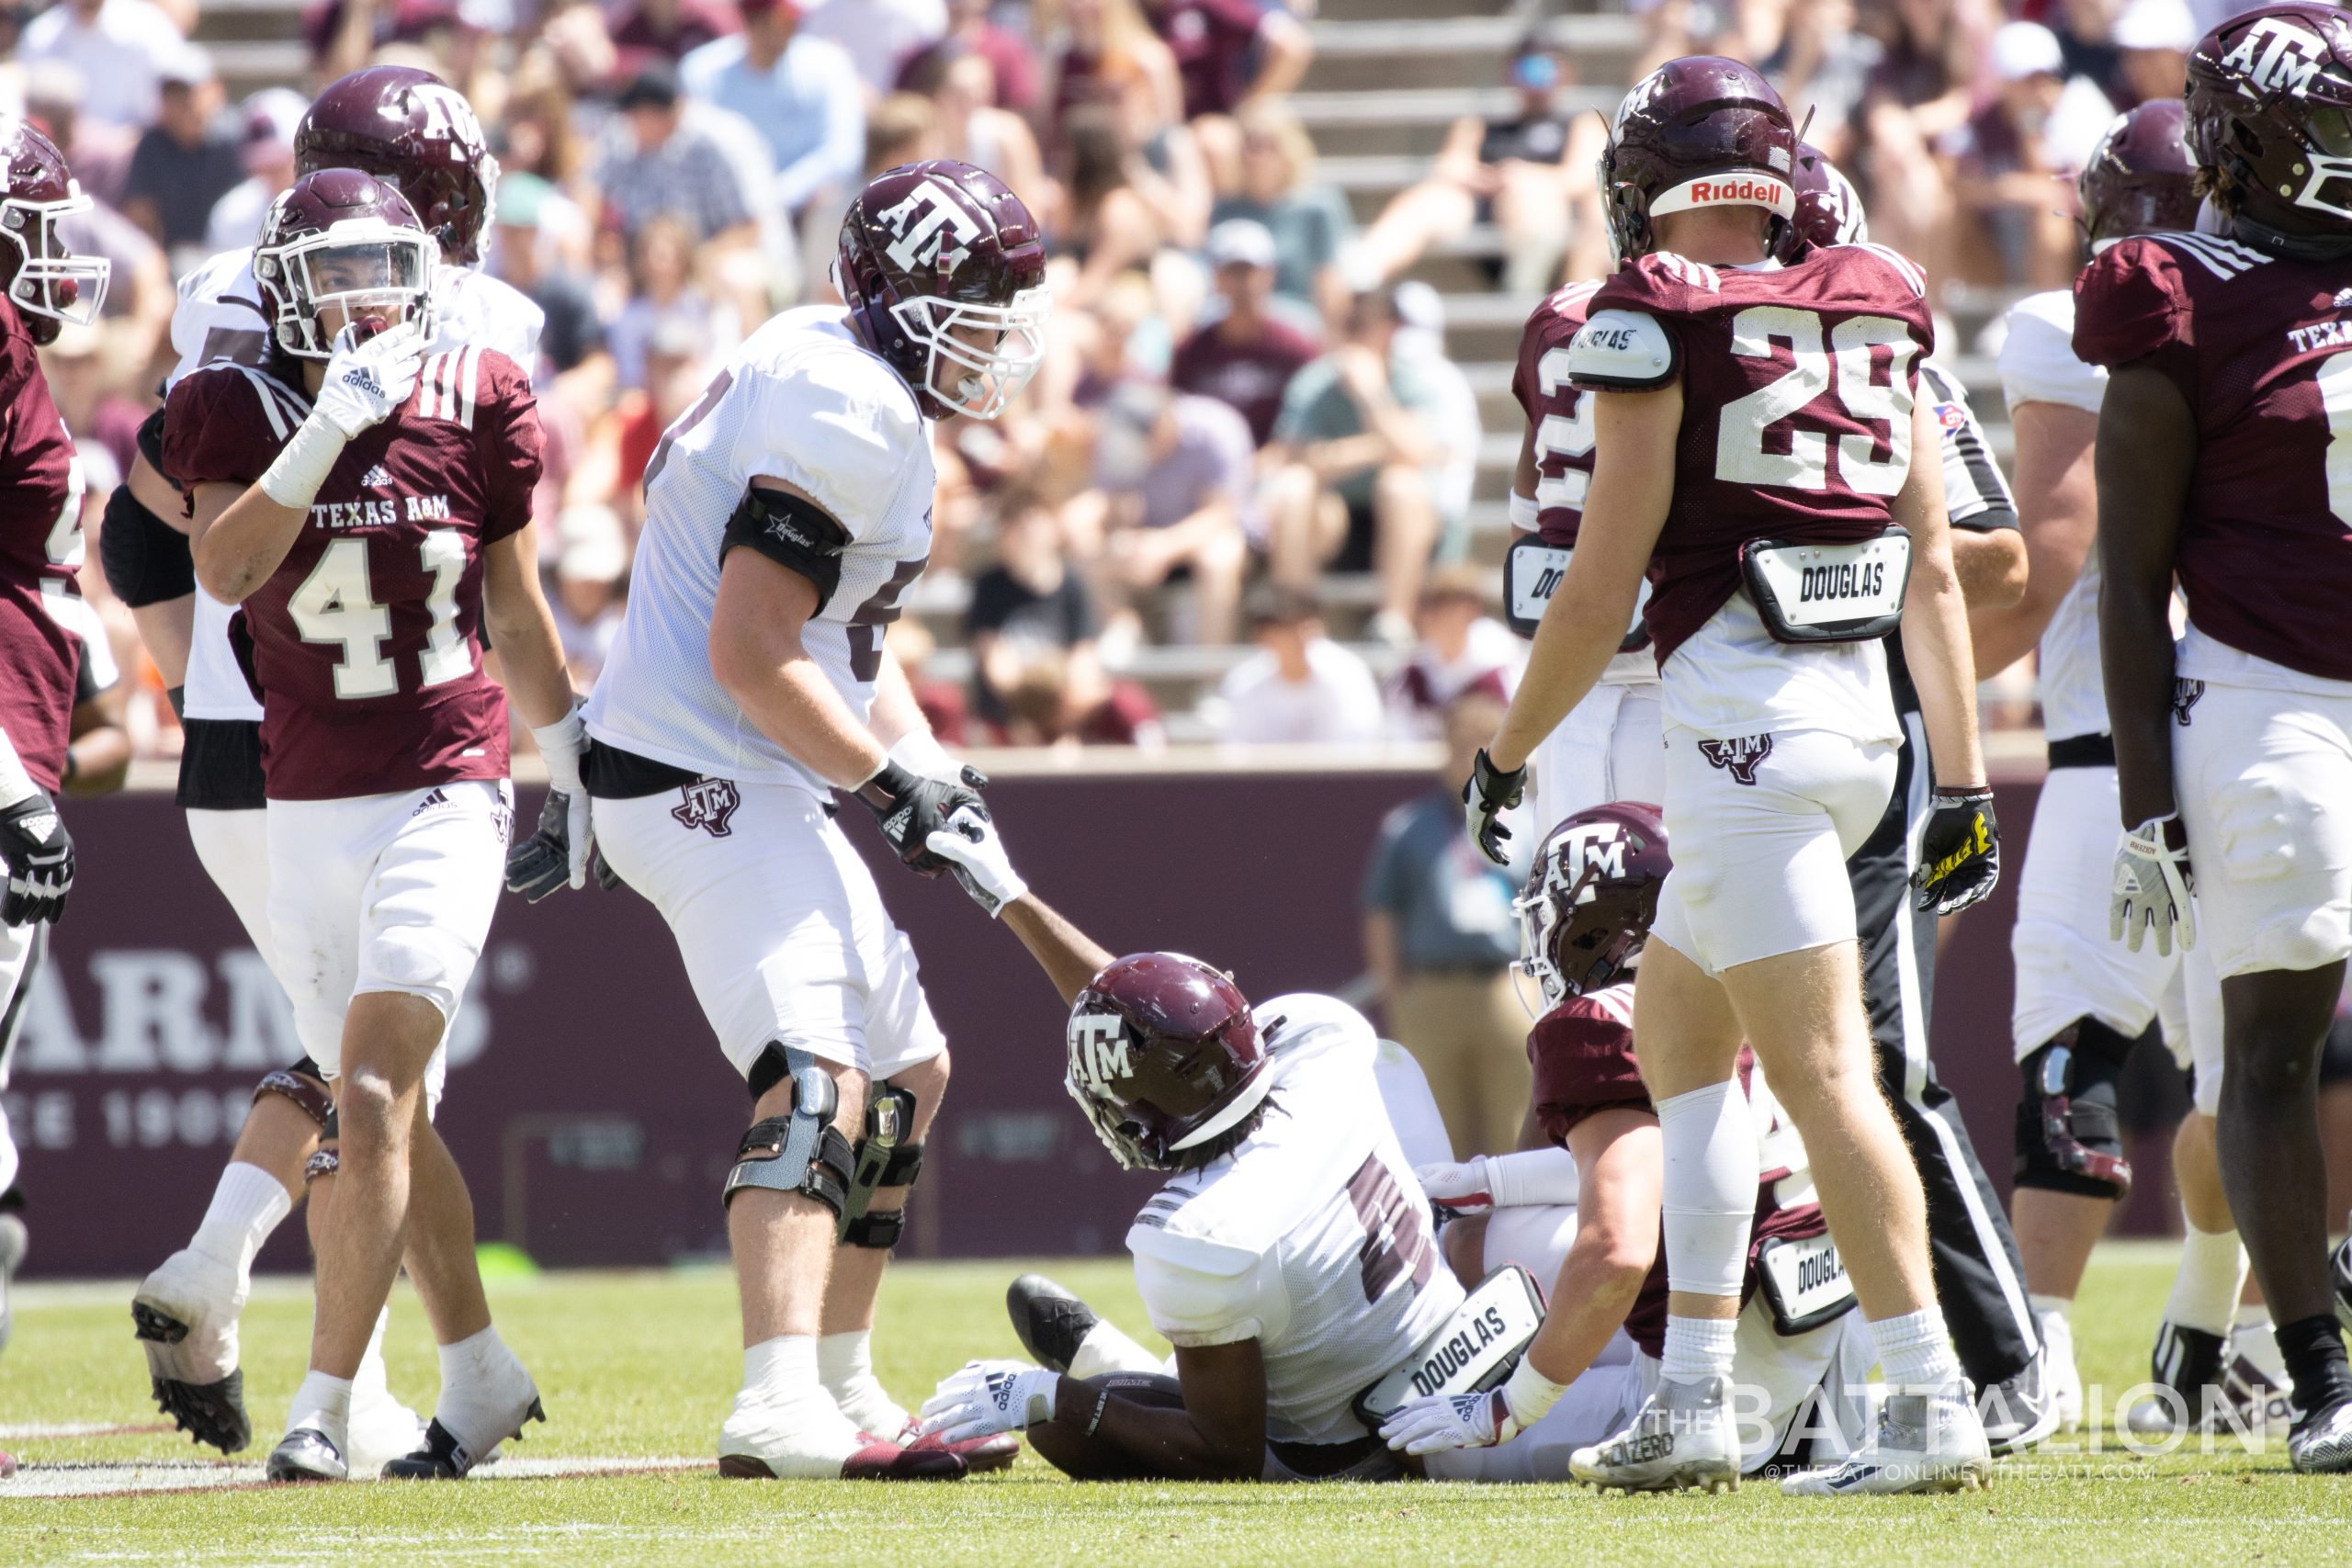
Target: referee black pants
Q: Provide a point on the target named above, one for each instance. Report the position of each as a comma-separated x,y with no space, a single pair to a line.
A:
1980,1280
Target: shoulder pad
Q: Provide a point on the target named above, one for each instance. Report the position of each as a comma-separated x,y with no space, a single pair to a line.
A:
1905,267
2223,257
1626,349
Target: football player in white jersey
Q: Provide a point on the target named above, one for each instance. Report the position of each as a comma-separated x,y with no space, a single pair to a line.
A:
2082,1000
1290,1258
786,513
410,128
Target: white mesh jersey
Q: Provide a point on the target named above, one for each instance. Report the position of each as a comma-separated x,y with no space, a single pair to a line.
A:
802,401
2038,365
1313,1237
220,316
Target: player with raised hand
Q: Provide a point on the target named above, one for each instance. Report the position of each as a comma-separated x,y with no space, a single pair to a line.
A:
2223,439
1753,441
416,133
787,514
367,504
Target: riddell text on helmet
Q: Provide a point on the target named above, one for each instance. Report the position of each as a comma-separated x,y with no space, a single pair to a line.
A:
1739,188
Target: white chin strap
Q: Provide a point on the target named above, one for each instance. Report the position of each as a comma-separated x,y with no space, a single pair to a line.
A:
1740,188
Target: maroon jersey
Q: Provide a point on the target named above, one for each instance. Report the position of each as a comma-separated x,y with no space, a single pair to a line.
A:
1247,378
366,640
1212,41
40,545
2261,348
1798,385
1582,1052
1560,415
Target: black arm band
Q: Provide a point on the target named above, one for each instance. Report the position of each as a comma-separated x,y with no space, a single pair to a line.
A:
794,532
146,559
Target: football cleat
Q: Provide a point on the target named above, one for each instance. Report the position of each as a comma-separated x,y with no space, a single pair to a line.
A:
2186,1367
2344,1278
2021,1410
13,1241
306,1454
1051,1322
808,1438
2322,1445
381,1430
2251,1399
1925,1442
1681,1437
980,1455
446,1456
2065,1377
185,1319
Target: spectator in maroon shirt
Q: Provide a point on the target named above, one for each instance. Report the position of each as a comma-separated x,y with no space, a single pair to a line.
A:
1008,54
1245,357
1228,51
666,29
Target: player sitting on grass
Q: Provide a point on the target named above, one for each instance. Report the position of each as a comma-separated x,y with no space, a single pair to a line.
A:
1290,1258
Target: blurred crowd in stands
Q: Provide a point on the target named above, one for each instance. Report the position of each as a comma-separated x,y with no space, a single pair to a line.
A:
1248,435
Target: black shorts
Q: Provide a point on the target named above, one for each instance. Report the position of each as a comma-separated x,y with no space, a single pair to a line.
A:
220,765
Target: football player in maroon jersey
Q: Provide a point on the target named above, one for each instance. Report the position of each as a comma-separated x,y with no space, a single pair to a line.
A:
369,506
41,613
1754,437
2225,437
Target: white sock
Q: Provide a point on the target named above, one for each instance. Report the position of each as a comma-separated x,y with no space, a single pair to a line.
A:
2043,1305
784,1369
1914,1350
370,1380
1711,1166
2255,1340
845,1366
1107,1348
247,1204
2205,1286
1697,1348
324,1403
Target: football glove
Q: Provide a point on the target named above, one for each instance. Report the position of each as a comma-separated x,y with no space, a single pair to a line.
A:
368,377
40,856
1486,795
986,1397
911,808
542,862
976,858
1960,852
1462,1189
2152,883
562,745
1473,1420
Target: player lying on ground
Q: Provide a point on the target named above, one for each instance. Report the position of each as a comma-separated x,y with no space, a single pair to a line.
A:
1289,1259
1800,1374
368,507
416,133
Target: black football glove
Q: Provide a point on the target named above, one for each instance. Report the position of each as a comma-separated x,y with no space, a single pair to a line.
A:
911,808
542,862
1486,795
1960,853
40,856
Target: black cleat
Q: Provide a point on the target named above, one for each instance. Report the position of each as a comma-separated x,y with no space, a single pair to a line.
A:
211,1412
443,1458
306,1454
2186,1369
1051,1322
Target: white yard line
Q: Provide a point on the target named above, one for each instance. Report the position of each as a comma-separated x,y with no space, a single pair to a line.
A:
80,1479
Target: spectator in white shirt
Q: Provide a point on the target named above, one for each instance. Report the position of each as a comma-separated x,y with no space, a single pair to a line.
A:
1459,650
271,115
800,95
118,47
1300,687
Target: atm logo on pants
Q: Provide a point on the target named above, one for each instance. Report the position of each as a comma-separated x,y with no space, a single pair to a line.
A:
1739,755
707,803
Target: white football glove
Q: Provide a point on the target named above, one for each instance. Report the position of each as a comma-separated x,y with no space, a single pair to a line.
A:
562,745
986,1397
2152,887
969,845
1466,1188
1473,1420
366,382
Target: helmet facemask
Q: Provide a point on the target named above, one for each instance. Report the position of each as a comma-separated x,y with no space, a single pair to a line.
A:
361,267
991,377
51,281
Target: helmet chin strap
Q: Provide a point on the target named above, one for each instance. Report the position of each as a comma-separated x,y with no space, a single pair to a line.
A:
2291,247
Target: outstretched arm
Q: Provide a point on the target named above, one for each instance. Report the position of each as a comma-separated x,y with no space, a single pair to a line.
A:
1068,955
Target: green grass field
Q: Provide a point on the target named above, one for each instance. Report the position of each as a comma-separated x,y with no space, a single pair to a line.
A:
641,1367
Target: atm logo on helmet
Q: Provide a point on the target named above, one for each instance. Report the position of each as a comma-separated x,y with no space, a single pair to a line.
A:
2276,56
1591,853
933,229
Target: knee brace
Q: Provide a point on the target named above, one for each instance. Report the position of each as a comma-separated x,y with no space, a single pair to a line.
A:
800,1152
146,560
2068,1136
884,1159
304,1085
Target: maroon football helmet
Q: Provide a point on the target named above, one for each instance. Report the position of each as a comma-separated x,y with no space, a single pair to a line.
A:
1591,896
1828,209
2271,105
409,126
1698,131
343,238
45,280
1163,1057
2142,180
930,250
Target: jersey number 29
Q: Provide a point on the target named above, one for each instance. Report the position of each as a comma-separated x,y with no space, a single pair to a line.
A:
1799,459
